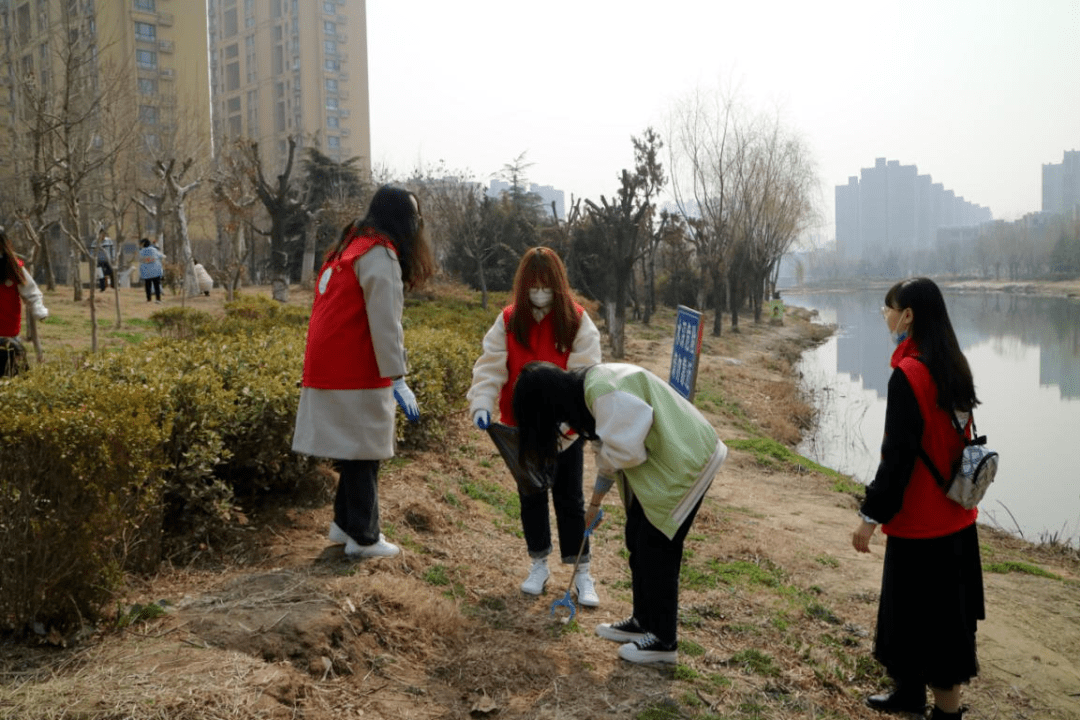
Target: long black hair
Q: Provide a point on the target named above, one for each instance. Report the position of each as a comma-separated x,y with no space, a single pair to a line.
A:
932,332
392,212
545,397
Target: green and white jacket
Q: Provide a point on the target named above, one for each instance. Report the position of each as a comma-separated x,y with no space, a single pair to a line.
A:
659,446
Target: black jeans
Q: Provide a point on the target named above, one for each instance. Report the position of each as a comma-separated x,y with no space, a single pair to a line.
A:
154,283
654,572
569,501
356,505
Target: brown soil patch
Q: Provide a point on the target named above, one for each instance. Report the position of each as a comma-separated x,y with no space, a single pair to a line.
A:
281,625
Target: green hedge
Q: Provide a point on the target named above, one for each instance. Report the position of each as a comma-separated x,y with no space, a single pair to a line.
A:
124,456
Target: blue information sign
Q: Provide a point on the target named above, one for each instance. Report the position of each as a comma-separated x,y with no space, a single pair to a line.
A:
685,352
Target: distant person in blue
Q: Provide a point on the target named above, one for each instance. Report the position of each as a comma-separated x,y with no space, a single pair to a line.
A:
150,270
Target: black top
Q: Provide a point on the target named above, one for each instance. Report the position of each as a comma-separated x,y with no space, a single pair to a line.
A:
899,450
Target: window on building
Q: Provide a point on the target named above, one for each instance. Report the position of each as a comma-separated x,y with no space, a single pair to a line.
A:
148,114
330,27
148,86
152,141
330,47
145,5
232,105
279,117
331,103
232,77
146,59
329,7
332,122
331,85
42,15
232,51
236,128
22,23
333,142
275,8
145,31
331,65
231,25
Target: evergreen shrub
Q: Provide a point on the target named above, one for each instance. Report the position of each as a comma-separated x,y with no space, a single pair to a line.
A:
80,495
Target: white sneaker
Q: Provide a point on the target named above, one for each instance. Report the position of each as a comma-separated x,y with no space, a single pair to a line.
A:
538,575
383,548
648,650
586,590
337,535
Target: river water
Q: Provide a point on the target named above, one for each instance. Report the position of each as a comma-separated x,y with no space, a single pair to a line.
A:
1024,352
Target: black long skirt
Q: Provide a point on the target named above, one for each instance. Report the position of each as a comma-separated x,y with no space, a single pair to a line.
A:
931,600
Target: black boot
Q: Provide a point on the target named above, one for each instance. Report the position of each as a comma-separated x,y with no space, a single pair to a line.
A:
940,714
906,697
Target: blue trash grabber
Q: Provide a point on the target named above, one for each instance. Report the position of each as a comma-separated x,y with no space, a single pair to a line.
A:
565,601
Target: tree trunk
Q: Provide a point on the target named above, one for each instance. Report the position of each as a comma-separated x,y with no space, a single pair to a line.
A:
307,270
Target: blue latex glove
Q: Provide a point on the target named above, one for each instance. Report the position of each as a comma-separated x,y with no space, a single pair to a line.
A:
482,419
406,400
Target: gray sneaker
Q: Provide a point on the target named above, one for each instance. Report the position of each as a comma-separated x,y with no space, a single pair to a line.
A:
586,590
538,576
623,631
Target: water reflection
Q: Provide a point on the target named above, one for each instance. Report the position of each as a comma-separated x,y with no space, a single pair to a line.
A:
1025,355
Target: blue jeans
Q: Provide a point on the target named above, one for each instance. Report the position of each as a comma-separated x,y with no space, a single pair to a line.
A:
569,501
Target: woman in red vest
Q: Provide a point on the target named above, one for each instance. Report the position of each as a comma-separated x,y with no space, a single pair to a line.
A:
931,586
543,323
354,364
16,287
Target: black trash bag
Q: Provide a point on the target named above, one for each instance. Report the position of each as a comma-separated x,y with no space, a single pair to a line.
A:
529,479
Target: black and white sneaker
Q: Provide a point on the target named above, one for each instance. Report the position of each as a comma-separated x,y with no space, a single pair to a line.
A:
649,649
623,631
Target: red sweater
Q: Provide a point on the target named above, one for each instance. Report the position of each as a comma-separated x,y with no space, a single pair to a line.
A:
339,353
542,346
926,512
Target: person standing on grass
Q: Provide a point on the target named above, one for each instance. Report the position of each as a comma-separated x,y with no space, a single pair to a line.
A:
931,582
542,323
354,363
663,455
16,288
150,269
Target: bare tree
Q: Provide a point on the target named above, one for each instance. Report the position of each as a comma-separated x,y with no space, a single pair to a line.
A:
235,202
282,203
700,144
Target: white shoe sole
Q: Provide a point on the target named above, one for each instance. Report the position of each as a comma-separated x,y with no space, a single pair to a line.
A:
630,653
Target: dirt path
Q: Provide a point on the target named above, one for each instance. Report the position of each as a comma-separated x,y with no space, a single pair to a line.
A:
777,610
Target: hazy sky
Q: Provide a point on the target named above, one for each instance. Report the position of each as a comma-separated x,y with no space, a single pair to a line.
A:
977,93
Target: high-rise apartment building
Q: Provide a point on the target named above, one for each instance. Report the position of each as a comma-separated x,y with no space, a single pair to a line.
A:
1061,185
891,208
291,68
117,61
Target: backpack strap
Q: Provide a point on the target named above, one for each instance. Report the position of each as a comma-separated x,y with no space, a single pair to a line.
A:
942,483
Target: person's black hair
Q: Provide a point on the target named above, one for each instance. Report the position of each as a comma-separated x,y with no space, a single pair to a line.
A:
393,214
546,396
144,243
932,332
9,264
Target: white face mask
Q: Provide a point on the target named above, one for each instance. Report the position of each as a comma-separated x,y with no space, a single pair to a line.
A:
541,297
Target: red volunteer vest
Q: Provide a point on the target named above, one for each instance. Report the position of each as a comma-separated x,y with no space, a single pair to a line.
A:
541,347
927,512
339,353
10,307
